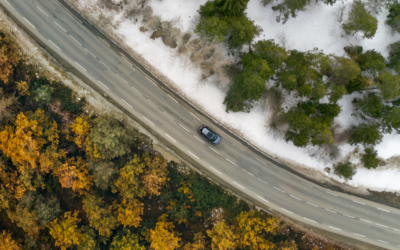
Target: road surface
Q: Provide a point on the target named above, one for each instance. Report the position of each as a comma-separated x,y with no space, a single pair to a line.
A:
230,162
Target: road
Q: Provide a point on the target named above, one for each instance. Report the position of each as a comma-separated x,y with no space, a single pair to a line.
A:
230,162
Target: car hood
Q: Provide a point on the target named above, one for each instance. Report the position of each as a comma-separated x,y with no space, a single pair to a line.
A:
217,140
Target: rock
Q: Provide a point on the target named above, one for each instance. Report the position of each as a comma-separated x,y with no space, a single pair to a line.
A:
143,29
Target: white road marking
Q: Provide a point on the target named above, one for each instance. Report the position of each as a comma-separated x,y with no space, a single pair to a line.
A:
194,116
336,228
60,27
247,172
332,194
194,155
295,197
129,105
348,216
284,174
54,45
166,114
309,203
173,98
262,180
279,189
80,66
199,139
215,170
148,120
330,211
138,91
123,57
309,219
104,64
358,202
383,209
122,78
214,150
286,210
9,4
381,225
383,241
151,80
76,40
262,199
359,235
366,221
42,11
396,229
171,137
239,185
151,102
103,85
29,23
231,162
184,128
90,52
106,43
260,161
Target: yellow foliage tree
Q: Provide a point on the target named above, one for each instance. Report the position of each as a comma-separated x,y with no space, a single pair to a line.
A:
130,212
252,229
92,151
222,237
198,244
23,88
128,183
9,57
81,128
75,174
163,237
155,174
65,231
6,242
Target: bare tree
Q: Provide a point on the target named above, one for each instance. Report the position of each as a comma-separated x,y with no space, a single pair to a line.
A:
340,13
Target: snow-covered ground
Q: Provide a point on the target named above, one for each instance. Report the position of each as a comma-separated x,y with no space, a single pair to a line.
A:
315,27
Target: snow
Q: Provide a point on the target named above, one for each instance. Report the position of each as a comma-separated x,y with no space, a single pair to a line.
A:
315,27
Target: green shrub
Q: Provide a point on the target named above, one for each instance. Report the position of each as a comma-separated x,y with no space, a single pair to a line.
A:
365,134
345,170
394,56
360,20
393,19
369,158
357,84
68,103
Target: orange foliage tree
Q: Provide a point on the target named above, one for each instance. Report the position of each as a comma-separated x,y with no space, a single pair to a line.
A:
128,183
163,236
222,237
75,174
6,242
81,127
65,231
9,57
155,174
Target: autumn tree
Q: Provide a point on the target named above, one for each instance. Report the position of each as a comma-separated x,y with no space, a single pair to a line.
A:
222,237
74,174
128,183
162,237
103,173
9,57
110,138
126,240
6,242
88,239
25,218
155,174
130,212
101,216
23,88
65,230
6,104
81,127
252,229
198,243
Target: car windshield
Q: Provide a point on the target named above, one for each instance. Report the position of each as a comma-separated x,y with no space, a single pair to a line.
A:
208,133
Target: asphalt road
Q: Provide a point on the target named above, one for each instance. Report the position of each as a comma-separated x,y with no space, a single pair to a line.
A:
230,162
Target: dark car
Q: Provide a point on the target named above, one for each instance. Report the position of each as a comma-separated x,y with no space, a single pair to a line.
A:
211,135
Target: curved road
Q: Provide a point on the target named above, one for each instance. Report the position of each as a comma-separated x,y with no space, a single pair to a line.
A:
230,162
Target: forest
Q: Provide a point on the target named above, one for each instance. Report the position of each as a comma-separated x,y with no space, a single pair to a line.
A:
73,181
314,80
